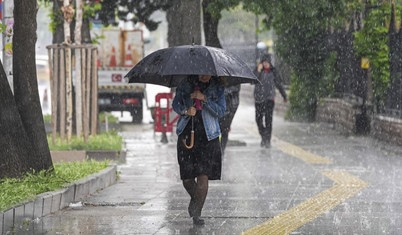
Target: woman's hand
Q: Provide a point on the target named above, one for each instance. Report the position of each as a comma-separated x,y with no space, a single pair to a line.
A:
198,95
259,68
191,111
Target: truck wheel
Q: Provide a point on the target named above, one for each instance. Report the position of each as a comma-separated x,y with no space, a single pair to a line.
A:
137,115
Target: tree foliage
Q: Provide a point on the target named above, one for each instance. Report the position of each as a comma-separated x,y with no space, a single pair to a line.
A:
215,7
372,42
142,11
302,29
108,12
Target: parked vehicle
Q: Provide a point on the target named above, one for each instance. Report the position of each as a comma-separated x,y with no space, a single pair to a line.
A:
119,51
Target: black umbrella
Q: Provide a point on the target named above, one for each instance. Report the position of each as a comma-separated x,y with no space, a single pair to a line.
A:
167,67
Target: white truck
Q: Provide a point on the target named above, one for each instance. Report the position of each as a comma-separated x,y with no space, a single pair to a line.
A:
119,51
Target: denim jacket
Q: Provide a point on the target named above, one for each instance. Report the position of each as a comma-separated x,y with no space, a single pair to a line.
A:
212,109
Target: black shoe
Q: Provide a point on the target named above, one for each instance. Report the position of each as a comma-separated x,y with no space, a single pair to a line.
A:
265,144
198,221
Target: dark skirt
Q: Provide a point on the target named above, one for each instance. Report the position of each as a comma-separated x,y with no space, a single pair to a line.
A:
204,158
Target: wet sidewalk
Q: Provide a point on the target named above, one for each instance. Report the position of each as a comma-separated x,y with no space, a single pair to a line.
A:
313,180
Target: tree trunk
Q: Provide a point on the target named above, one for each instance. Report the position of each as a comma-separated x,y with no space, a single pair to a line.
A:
26,93
67,20
85,32
69,93
68,12
78,25
184,22
210,26
58,35
14,144
78,76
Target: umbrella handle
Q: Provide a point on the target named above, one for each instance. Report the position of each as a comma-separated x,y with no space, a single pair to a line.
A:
191,141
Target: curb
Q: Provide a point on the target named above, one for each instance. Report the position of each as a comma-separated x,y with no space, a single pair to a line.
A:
51,202
80,155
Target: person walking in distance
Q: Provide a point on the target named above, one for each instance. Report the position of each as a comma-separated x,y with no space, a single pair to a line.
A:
232,103
200,101
264,97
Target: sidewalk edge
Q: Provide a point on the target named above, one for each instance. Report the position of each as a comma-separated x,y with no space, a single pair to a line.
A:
51,202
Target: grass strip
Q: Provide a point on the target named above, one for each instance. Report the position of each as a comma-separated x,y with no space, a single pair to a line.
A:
104,141
15,191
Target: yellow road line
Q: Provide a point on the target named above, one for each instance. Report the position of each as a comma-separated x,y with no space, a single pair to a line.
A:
299,152
293,150
347,185
287,222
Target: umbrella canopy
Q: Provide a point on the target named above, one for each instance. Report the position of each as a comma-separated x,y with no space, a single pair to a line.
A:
167,67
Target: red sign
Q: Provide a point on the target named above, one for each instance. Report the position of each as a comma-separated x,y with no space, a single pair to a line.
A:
117,77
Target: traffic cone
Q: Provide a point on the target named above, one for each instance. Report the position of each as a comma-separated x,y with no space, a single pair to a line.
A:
129,60
113,58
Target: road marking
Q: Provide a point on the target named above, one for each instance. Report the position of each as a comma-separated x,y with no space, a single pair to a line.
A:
291,149
347,185
299,152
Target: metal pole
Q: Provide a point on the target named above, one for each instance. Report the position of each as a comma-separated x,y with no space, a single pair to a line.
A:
8,19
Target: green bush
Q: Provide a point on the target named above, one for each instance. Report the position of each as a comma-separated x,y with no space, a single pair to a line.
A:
303,97
103,141
15,191
331,75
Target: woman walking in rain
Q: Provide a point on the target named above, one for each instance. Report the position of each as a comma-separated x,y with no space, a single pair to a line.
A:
199,101
264,96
